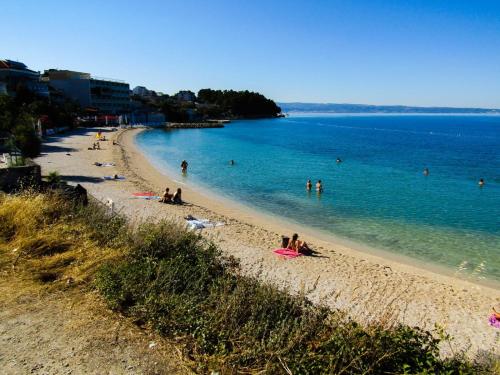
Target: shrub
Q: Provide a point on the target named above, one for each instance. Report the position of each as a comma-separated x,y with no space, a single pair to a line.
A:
182,286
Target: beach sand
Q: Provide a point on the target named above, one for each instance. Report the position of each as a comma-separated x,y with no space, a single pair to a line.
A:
368,286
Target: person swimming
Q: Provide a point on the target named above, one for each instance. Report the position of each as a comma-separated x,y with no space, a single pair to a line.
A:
339,160
309,185
319,186
481,182
184,166
426,171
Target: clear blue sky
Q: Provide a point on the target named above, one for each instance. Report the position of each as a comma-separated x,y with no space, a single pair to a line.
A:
435,52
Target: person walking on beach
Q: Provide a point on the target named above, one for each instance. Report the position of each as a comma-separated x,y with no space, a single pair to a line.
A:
319,186
184,166
309,185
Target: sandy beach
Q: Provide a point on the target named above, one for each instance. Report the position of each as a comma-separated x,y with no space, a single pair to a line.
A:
368,286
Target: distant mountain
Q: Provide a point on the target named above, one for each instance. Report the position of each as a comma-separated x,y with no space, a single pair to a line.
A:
365,108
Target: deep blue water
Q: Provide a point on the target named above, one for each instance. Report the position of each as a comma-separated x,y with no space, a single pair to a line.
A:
377,196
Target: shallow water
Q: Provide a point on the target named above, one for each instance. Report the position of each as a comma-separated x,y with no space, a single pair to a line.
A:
377,196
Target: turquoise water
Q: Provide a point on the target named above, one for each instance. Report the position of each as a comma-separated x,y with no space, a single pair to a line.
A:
377,196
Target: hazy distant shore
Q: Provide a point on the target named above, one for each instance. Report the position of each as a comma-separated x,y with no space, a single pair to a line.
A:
373,109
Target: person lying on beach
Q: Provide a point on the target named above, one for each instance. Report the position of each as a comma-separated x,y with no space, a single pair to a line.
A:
98,164
167,197
115,143
177,199
298,246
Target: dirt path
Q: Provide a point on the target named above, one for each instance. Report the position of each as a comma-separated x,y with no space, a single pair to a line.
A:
72,332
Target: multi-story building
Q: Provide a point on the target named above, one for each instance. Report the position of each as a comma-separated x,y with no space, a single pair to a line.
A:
143,91
105,95
15,75
185,96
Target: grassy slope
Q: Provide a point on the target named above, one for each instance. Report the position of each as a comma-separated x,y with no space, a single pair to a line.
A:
179,284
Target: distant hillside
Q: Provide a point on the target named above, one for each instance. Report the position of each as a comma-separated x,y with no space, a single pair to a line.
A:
364,108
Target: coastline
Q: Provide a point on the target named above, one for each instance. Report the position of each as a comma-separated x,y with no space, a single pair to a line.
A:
210,199
367,286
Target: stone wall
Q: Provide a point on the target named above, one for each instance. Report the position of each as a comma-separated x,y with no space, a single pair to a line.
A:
17,178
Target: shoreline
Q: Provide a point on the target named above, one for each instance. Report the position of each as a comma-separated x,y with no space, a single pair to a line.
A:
278,224
367,287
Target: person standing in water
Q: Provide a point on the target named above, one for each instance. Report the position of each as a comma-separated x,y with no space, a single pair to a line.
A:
319,186
231,162
339,160
184,166
481,182
309,185
426,171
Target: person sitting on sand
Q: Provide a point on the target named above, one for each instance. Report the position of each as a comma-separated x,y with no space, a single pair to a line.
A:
309,185
319,186
167,197
495,313
298,246
116,177
98,145
177,198
115,143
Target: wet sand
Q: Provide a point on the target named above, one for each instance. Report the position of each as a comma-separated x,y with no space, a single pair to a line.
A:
370,286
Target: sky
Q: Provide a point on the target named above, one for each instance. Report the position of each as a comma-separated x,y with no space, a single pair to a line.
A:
424,53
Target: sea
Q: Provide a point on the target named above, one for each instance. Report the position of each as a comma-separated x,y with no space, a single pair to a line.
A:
377,196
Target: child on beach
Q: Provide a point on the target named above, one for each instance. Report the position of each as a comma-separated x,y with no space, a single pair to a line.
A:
167,197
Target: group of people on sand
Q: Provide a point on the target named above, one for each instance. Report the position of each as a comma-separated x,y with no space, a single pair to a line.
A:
319,186
175,198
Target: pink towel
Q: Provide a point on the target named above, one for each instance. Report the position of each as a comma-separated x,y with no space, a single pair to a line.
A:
494,322
287,253
144,194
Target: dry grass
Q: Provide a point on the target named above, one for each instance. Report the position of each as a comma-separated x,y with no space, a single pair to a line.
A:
180,284
42,241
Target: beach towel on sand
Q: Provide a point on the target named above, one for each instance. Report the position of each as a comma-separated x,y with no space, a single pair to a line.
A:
287,253
194,223
113,178
144,194
494,322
